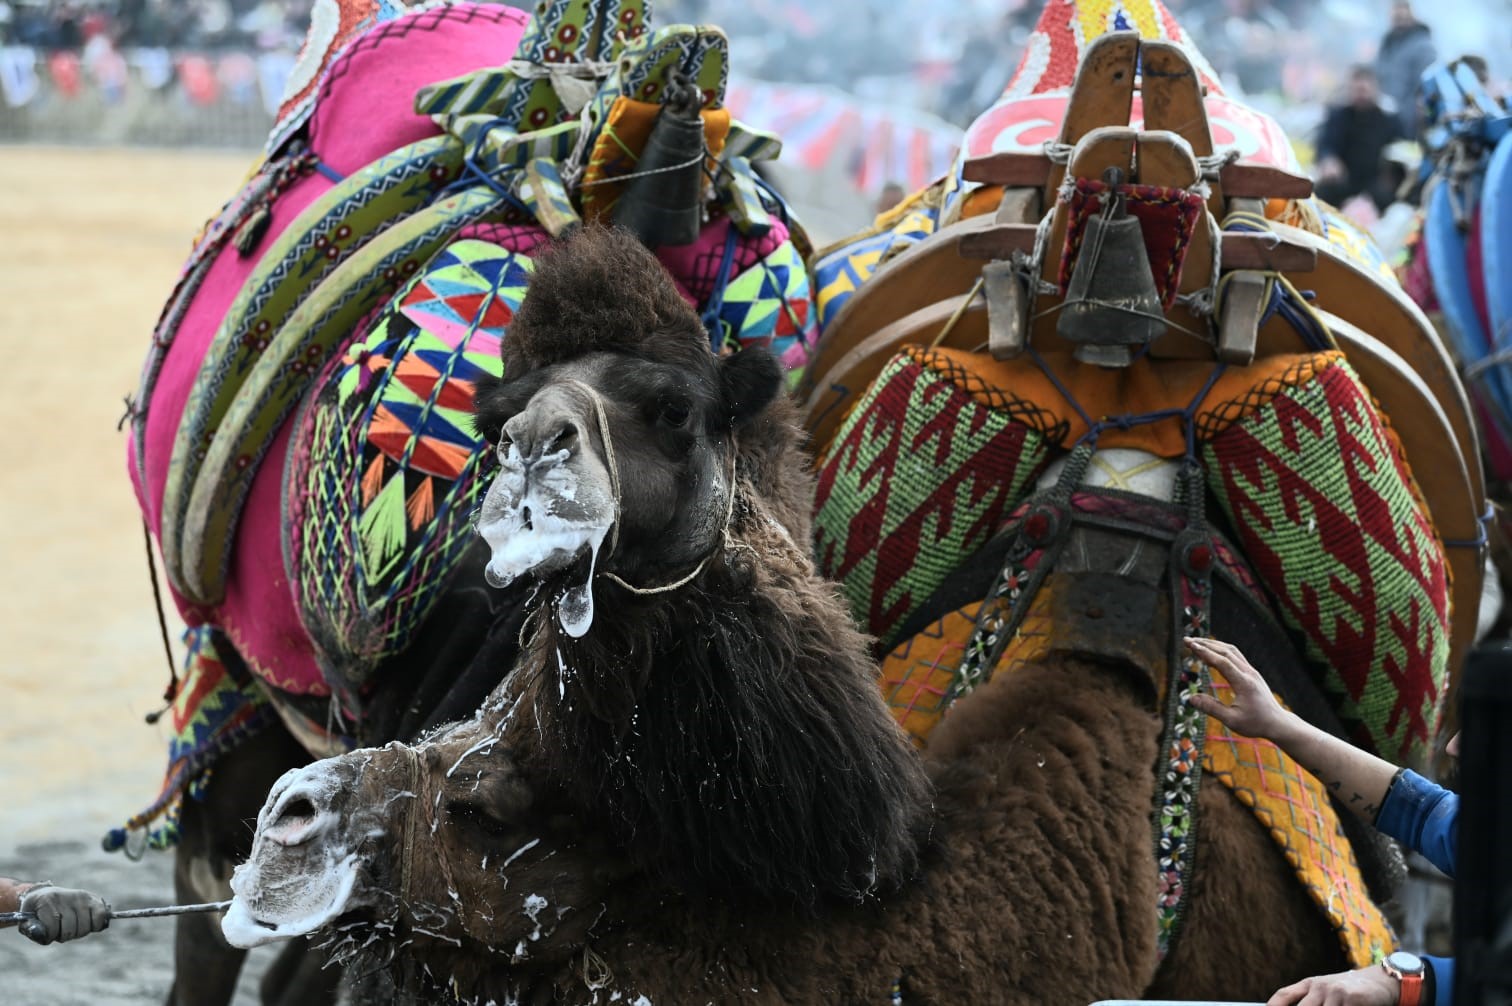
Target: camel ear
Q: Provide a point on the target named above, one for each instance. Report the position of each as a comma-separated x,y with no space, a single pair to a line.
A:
749,381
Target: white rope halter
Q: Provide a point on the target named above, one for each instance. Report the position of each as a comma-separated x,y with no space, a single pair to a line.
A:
612,464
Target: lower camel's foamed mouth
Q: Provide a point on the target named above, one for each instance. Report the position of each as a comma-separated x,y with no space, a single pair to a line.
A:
308,904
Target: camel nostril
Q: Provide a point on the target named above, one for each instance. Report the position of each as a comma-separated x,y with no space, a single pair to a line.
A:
566,438
298,811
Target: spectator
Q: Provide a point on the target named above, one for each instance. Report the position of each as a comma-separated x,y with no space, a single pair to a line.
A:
1406,51
1353,137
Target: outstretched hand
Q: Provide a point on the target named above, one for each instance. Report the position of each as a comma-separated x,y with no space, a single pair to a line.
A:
1365,987
1254,711
63,914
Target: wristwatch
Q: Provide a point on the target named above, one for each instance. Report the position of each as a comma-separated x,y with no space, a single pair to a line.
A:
1407,969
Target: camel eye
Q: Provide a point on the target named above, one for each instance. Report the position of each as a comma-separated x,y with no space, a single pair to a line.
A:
470,813
674,414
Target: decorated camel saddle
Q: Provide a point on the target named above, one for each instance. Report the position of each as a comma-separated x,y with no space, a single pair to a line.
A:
302,441
1121,370
1460,266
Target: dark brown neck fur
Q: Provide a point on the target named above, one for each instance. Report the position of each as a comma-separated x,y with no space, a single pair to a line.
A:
730,733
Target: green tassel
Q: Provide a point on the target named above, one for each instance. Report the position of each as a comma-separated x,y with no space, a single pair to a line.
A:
383,529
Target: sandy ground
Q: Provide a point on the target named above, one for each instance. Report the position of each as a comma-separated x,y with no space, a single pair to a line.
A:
90,245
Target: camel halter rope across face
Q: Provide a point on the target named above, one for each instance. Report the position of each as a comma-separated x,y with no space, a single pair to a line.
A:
602,419
418,813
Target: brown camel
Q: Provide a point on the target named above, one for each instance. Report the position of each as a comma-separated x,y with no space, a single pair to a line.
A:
690,790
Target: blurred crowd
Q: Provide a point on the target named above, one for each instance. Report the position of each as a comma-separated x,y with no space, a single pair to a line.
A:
949,58
259,25
954,58
1339,75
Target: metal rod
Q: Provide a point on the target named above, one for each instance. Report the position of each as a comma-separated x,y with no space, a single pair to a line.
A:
11,918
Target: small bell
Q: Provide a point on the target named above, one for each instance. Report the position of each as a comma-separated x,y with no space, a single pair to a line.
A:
662,204
1112,307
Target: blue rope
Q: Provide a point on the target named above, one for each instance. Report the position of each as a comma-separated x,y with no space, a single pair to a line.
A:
778,204
1039,362
1482,536
1127,422
1281,301
1189,414
472,173
716,296
329,172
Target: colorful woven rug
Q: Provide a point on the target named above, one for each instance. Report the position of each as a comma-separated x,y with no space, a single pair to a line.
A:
1324,506
385,468
218,705
1319,498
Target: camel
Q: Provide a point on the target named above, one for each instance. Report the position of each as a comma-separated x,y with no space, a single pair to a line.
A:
688,787
322,343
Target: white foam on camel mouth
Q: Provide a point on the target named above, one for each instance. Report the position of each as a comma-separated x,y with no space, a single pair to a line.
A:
280,893
544,542
327,896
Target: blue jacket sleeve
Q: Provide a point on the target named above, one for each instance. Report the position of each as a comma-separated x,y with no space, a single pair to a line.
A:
1422,815
1443,980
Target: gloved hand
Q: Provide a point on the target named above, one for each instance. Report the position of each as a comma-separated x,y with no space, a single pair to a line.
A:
62,914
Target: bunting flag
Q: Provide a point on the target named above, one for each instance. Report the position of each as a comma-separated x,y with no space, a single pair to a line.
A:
18,75
821,126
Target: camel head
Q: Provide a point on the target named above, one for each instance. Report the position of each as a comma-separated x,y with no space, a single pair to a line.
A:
614,426
445,843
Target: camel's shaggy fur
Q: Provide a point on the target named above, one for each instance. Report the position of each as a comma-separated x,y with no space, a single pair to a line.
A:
1040,889
729,732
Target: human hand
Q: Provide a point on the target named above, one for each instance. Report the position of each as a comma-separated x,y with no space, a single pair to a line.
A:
1254,711
1365,987
62,914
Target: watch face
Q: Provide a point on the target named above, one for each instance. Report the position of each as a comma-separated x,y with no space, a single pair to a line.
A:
1404,963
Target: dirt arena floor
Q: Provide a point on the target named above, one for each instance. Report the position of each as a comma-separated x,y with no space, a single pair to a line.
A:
90,245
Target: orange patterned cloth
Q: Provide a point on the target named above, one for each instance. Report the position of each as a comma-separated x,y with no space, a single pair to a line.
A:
916,676
1145,386
1297,813
620,143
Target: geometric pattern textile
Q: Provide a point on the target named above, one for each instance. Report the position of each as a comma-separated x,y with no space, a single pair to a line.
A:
1292,806
839,271
919,676
1324,507
768,305
388,476
918,477
216,707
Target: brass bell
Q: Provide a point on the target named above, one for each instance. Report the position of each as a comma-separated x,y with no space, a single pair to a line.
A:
1112,307
662,204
